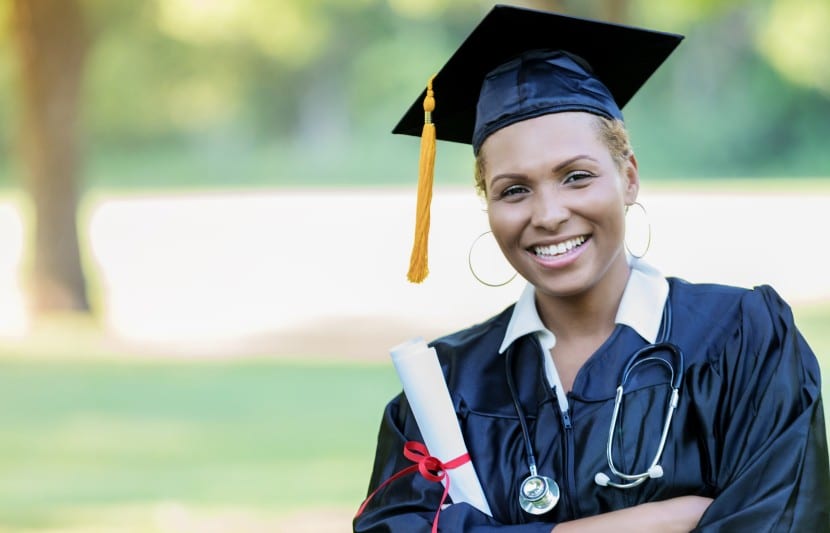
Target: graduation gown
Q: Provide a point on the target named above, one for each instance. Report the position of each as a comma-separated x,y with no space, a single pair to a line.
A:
748,430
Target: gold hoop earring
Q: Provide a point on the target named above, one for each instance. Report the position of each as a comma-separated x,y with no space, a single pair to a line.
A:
473,271
648,225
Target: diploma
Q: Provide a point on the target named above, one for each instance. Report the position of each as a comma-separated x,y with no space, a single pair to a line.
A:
423,383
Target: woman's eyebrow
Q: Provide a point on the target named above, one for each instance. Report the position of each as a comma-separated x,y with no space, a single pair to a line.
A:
557,168
508,175
572,160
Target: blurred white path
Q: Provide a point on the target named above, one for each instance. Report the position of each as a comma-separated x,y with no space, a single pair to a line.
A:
203,270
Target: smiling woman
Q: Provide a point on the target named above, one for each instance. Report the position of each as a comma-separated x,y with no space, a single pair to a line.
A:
555,199
608,397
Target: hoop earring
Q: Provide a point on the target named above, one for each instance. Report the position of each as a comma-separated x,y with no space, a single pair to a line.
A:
472,270
648,225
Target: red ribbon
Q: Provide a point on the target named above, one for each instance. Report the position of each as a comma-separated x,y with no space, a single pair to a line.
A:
430,467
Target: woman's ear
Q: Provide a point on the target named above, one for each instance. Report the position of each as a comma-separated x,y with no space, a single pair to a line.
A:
631,177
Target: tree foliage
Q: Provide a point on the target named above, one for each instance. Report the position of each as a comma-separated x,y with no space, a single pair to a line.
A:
794,38
330,77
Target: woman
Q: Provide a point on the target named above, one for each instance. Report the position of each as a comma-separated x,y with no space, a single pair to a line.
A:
745,448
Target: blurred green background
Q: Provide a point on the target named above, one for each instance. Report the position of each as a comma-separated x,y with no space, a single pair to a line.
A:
194,95
184,93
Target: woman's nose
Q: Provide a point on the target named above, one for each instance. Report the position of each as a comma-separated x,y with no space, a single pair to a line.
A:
549,211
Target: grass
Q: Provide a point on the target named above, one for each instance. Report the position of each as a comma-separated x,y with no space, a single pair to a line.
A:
82,438
119,443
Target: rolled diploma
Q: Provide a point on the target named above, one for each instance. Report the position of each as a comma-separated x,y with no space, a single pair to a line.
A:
423,383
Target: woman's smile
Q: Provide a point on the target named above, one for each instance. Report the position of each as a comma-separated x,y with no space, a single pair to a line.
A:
560,254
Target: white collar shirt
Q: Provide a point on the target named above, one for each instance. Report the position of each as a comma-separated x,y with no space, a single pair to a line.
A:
641,308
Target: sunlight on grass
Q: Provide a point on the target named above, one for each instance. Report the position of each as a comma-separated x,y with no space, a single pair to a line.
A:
13,317
201,269
209,268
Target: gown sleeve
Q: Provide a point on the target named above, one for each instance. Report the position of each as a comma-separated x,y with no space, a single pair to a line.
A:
772,469
409,503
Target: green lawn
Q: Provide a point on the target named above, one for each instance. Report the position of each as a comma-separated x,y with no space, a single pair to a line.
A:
124,444
81,440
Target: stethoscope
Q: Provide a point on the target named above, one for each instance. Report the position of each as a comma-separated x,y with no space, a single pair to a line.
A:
539,494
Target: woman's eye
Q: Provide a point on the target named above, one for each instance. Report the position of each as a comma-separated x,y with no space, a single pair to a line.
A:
513,190
577,176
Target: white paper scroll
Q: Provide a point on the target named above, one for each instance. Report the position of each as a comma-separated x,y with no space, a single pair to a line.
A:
423,383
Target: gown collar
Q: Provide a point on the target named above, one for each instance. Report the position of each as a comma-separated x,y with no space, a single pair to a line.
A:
641,308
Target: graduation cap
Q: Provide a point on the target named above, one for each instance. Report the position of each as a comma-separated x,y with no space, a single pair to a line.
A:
519,64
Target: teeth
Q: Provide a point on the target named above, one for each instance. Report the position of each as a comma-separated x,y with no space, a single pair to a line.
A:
559,249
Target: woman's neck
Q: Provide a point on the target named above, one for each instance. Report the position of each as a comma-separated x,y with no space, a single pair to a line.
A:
588,314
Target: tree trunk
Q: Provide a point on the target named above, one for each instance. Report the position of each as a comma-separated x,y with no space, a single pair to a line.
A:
51,46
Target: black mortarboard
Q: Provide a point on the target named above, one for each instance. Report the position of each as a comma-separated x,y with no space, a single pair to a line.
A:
622,57
521,63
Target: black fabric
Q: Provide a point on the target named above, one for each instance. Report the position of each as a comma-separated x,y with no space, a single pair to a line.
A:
748,432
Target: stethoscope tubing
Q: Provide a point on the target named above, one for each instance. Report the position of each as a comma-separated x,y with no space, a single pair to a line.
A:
643,356
654,470
531,457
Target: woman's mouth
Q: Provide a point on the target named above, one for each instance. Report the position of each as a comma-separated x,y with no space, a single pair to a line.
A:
562,248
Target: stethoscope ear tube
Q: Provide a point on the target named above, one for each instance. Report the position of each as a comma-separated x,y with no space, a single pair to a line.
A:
676,369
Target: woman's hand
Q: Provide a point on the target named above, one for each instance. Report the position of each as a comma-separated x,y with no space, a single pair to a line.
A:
675,515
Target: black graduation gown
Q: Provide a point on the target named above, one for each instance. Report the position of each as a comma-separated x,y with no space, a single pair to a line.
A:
748,431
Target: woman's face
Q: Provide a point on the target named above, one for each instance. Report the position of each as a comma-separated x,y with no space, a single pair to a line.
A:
556,201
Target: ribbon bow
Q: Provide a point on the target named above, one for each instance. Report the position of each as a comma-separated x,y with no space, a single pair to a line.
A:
430,467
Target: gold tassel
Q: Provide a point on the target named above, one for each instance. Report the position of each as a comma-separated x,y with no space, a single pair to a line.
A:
418,268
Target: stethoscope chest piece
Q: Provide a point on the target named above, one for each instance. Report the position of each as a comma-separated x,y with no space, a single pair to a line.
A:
538,494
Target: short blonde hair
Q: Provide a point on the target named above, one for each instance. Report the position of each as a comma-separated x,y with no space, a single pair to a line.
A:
611,132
